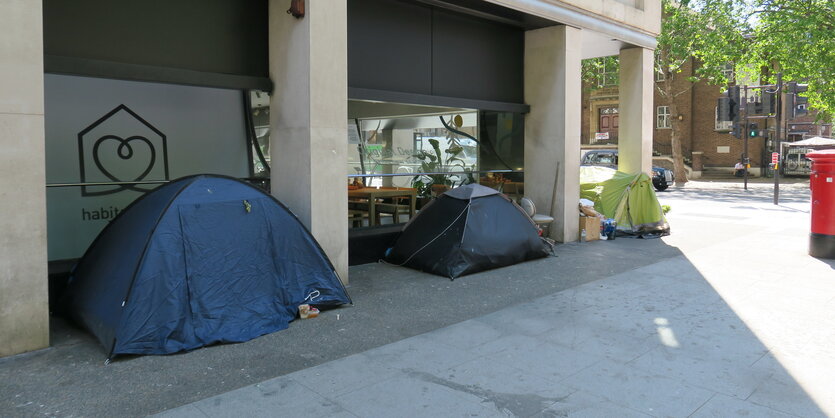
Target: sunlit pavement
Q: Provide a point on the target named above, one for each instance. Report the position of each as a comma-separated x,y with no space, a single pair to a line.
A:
738,322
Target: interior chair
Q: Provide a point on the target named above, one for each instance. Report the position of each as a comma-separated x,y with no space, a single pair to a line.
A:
542,221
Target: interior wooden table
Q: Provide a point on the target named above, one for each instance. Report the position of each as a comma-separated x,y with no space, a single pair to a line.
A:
373,193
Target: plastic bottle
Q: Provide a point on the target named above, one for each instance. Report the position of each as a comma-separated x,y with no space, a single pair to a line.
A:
583,235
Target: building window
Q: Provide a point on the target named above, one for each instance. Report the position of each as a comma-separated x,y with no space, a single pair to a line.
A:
662,119
728,71
607,75
721,126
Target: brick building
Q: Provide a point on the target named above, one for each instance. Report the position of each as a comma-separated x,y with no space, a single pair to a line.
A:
707,145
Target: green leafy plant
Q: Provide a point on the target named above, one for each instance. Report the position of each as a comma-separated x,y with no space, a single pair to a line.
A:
440,162
796,38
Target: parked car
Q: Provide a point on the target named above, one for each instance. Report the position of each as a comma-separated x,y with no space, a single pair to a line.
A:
662,178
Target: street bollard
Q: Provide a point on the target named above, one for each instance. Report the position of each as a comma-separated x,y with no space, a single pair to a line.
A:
822,183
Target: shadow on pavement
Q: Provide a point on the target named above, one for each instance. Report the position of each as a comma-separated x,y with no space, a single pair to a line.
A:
653,333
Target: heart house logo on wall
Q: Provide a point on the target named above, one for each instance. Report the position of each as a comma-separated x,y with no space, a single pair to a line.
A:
121,147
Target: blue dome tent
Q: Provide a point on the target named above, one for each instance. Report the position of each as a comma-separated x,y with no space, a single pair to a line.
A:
201,260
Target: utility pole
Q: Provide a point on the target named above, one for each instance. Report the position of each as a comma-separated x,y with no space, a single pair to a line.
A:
777,134
745,140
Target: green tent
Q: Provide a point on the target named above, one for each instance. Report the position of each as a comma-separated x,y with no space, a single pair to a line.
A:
629,199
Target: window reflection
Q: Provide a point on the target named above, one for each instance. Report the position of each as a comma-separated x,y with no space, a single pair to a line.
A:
259,102
423,145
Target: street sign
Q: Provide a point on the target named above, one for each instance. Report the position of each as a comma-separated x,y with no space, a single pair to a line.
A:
775,157
599,136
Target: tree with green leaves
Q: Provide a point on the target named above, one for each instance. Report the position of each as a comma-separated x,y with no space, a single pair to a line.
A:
707,33
704,35
797,38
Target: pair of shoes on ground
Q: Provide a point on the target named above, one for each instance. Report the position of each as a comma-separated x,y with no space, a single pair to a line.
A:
307,311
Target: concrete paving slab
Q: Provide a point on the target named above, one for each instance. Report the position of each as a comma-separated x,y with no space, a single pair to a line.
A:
648,392
721,406
552,362
782,392
419,353
186,411
282,396
504,388
522,320
584,405
465,335
414,395
346,375
710,372
613,346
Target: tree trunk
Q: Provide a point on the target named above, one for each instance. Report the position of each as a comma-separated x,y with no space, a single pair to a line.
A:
675,144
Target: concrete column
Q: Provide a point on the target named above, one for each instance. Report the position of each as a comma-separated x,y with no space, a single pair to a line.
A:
309,119
552,128
636,111
24,310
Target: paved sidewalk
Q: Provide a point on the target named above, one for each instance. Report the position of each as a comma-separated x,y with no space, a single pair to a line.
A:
737,322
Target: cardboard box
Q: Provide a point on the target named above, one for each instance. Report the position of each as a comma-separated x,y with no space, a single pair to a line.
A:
592,226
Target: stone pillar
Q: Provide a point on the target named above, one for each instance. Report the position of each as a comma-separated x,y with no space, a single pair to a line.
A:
698,164
552,128
636,110
309,120
24,304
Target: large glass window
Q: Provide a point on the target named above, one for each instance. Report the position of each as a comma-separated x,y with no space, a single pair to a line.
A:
434,150
423,149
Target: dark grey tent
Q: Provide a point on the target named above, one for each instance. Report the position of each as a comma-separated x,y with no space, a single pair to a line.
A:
200,260
466,230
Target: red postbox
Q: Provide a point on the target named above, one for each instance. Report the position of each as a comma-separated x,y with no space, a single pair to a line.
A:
822,182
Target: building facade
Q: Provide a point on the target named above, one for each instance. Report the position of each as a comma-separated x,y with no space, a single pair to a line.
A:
174,82
707,144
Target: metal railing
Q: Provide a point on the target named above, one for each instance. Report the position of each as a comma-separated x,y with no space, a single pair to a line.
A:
448,173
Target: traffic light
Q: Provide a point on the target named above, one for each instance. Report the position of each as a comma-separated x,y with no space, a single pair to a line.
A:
733,93
753,130
766,104
727,110
728,106
797,103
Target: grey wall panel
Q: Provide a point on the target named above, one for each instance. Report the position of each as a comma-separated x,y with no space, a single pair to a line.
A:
413,47
389,46
214,36
476,59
